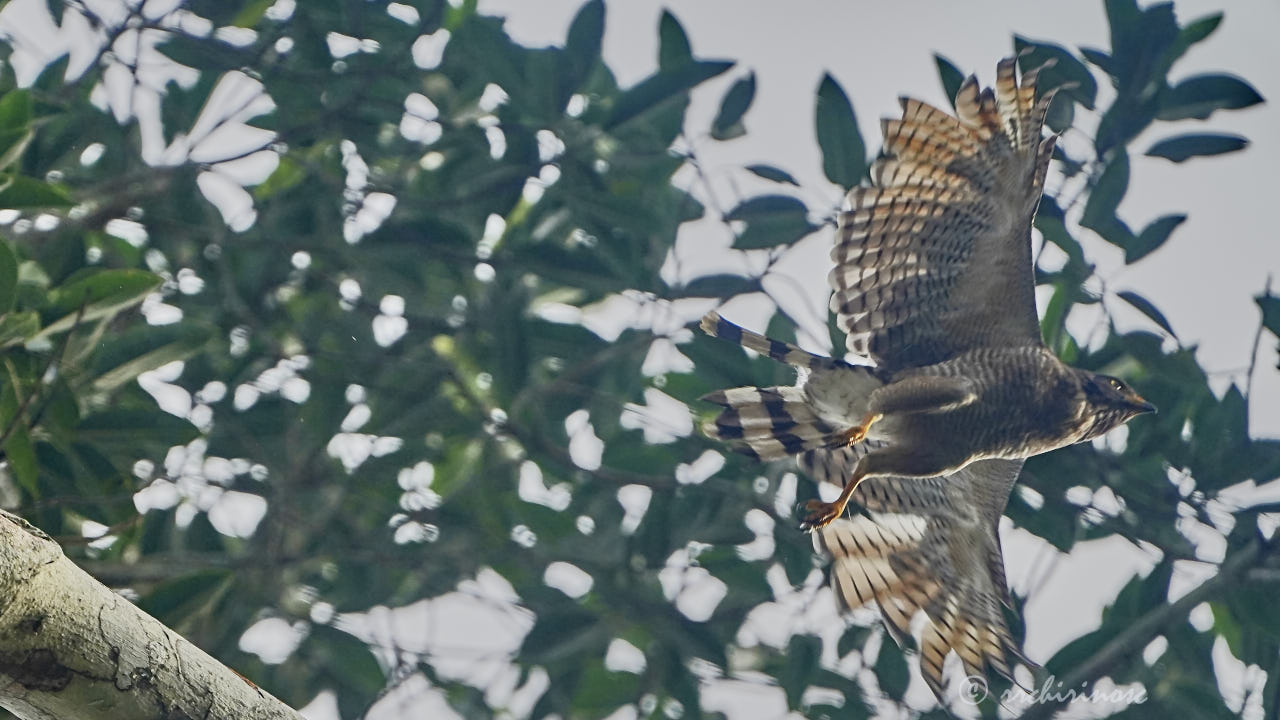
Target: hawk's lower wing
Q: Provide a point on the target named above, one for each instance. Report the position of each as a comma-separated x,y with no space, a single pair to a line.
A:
934,258
933,545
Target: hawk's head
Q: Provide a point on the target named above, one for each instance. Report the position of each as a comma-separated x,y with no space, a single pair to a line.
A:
1110,403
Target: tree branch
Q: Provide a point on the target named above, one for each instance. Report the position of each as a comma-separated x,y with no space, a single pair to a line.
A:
1142,632
71,649
1253,352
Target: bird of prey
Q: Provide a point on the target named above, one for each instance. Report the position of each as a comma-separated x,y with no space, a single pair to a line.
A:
933,284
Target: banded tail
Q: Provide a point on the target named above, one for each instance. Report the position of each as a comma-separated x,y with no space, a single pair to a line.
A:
784,352
774,422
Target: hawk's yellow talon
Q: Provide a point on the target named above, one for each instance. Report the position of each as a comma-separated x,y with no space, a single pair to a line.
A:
858,433
820,514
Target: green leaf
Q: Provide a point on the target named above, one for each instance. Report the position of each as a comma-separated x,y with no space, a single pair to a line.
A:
1147,308
15,130
203,53
55,8
14,143
771,220
844,156
1076,652
1270,306
725,528
728,121
1097,58
582,44
1184,147
1051,223
348,660
251,13
60,414
1197,698
769,172
1220,446
1253,605
673,43
98,289
34,277
21,455
148,348
602,691
950,76
1196,31
18,449
892,672
1053,324
173,601
852,638
288,173
665,85
98,293
1107,192
1140,44
18,327
1059,118
1140,40
1200,95
1152,237
802,656
1066,72
1227,626
21,191
8,277
568,632
15,110
720,286
121,427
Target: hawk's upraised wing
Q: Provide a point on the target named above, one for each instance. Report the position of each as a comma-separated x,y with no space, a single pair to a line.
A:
930,545
934,258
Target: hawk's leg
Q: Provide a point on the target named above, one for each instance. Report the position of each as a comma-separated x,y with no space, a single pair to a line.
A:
857,433
822,513
922,393
902,460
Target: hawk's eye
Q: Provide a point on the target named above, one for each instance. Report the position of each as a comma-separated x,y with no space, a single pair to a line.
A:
1115,384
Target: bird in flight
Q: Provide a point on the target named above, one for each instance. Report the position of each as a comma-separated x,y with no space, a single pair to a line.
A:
933,284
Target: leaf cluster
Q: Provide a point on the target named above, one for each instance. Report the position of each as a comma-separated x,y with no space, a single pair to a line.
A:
428,337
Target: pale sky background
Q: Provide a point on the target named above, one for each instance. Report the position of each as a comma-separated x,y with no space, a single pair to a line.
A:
1204,279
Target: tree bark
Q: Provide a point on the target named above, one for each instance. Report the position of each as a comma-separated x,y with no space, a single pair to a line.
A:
71,649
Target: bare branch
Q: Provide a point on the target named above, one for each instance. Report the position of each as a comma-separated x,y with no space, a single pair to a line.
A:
72,649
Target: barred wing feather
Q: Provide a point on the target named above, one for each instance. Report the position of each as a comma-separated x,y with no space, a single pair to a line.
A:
931,545
934,258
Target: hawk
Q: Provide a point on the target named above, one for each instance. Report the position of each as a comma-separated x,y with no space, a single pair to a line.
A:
933,284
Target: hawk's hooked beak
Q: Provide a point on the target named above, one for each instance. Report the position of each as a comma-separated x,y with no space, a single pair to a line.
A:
1139,405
